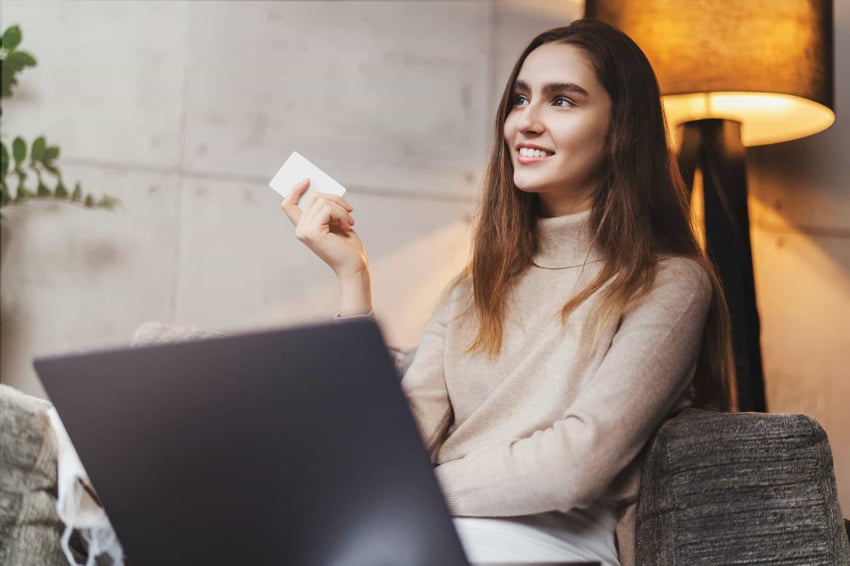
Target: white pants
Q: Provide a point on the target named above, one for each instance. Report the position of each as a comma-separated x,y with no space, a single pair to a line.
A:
581,534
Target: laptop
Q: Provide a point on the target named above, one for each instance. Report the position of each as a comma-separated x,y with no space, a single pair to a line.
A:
291,446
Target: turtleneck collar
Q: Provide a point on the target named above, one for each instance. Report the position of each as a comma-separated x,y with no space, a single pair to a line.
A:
564,241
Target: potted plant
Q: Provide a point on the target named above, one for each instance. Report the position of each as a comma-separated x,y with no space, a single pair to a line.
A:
37,159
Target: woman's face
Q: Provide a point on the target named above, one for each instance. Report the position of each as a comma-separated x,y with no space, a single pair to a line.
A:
556,128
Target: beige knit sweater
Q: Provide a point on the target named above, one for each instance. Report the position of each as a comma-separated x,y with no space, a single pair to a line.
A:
535,429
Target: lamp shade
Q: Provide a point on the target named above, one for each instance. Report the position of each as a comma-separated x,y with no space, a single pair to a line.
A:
765,63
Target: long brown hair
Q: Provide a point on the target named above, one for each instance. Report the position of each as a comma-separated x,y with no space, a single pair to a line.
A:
639,210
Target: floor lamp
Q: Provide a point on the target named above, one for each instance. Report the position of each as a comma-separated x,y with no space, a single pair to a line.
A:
733,74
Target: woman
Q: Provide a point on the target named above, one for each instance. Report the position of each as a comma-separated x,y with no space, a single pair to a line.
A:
587,315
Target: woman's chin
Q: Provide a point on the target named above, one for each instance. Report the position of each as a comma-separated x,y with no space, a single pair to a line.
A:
527,187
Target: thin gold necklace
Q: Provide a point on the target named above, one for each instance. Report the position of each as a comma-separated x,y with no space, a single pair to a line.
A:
566,266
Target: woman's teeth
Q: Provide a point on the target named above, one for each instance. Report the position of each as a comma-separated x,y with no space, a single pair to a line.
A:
528,152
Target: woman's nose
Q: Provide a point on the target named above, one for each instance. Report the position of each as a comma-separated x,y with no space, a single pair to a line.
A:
529,120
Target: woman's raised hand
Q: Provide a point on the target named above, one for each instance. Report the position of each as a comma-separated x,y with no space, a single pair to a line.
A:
325,225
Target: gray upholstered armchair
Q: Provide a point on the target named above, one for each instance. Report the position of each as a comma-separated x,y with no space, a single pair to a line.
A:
735,488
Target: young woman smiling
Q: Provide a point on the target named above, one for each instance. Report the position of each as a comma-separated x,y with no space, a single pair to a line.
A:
587,315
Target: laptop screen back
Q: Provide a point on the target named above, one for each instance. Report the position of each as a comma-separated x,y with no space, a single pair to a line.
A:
291,446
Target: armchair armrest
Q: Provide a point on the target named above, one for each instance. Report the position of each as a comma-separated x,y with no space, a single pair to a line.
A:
720,487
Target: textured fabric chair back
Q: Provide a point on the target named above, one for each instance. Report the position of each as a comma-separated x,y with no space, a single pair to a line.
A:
754,488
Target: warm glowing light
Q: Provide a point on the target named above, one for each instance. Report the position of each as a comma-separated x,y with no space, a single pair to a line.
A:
765,117
698,209
763,63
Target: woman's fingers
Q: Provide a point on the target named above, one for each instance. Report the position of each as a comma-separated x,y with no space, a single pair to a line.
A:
295,213
337,199
337,204
319,218
332,213
290,203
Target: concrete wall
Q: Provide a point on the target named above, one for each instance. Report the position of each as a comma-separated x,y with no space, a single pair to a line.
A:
184,110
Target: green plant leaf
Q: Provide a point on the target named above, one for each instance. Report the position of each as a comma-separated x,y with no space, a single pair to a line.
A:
50,153
22,177
52,168
4,162
38,147
19,150
7,80
42,190
61,191
5,195
20,58
10,67
107,202
12,37
89,202
77,195
22,193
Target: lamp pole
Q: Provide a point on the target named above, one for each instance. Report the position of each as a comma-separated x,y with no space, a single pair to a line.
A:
714,147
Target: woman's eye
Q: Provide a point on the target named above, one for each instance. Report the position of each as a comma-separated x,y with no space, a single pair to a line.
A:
563,102
519,99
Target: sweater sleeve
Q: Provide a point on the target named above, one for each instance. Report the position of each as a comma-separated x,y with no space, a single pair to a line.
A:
647,368
424,383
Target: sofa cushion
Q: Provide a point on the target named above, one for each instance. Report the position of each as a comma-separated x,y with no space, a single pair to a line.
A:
723,488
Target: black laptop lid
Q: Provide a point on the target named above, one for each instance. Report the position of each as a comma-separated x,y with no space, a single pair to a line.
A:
291,446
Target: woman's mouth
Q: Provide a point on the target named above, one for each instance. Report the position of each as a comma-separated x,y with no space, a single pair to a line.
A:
530,156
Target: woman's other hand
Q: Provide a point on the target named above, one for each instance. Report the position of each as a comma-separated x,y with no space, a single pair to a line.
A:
325,225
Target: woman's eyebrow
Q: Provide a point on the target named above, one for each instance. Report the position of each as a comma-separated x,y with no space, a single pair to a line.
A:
553,88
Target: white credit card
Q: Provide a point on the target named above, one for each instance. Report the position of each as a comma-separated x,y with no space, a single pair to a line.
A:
296,169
